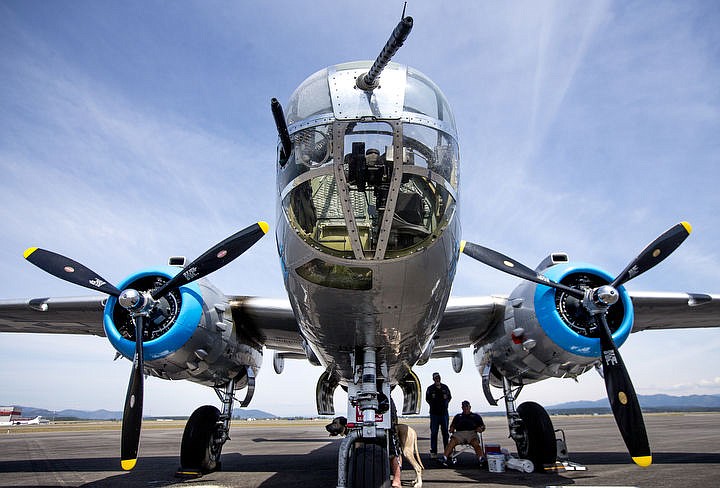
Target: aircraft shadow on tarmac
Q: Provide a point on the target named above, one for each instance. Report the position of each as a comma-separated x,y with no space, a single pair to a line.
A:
316,468
288,440
604,458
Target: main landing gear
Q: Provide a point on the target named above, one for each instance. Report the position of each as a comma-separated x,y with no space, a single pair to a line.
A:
202,441
208,429
531,429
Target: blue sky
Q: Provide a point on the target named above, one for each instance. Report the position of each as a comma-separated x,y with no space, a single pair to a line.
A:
132,131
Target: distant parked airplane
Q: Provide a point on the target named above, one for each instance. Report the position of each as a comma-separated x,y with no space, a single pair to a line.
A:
11,416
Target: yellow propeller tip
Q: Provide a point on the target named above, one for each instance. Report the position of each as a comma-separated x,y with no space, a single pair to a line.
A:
264,226
643,461
128,464
29,251
462,246
687,226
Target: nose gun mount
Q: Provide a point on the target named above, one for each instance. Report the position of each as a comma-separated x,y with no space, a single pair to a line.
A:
370,80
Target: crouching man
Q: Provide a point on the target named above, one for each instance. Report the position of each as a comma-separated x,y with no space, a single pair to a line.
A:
465,427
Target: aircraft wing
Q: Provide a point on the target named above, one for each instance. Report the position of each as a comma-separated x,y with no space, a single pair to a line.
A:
74,315
468,321
658,310
270,320
472,320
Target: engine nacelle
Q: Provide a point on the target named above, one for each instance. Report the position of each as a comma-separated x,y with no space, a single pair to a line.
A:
547,333
190,334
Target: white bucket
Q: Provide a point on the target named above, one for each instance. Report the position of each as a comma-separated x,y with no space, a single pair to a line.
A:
496,463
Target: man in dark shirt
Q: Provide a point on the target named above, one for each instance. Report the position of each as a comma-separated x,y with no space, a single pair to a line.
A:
465,427
438,397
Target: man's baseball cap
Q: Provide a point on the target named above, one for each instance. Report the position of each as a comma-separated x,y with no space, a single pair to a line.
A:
465,402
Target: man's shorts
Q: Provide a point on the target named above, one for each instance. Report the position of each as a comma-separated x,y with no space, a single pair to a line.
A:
465,436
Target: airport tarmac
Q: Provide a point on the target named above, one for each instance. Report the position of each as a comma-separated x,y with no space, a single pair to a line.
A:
686,453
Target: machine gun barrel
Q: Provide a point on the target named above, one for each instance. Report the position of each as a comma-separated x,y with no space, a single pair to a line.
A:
282,129
369,81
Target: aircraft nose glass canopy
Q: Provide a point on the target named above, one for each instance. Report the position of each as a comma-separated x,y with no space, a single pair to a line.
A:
372,188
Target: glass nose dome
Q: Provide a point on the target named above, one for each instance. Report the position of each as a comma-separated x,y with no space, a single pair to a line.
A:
371,175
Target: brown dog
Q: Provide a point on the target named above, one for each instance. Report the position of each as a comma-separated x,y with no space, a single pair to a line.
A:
408,444
337,427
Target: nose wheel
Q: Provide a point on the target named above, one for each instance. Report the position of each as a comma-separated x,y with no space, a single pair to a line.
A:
369,465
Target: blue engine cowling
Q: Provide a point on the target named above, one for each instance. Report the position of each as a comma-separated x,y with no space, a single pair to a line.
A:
190,334
547,334
174,335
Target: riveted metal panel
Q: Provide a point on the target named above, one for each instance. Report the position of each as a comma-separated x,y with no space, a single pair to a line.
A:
384,102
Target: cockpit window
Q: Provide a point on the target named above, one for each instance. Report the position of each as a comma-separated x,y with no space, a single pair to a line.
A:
421,211
343,210
336,275
311,98
311,148
432,149
422,96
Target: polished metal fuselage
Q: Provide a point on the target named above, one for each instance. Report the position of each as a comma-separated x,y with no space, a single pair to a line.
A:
398,231
398,316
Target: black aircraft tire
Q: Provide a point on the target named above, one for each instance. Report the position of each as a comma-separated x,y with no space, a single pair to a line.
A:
198,450
369,466
541,446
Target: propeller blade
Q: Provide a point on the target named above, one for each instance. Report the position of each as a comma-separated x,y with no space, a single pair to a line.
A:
510,266
132,413
69,270
655,252
216,257
623,400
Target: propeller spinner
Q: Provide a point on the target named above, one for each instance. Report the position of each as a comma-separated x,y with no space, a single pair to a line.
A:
140,305
597,301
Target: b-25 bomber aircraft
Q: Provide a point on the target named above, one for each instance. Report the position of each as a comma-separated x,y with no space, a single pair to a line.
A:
369,239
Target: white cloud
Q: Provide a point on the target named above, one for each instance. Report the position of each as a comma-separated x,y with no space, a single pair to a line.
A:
699,387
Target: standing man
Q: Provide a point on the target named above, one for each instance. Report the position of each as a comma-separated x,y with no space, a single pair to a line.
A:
438,397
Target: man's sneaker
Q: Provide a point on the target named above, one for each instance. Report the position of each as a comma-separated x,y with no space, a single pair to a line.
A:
482,461
442,460
433,455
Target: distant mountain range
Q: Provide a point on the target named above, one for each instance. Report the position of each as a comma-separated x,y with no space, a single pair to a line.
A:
70,414
117,415
649,403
